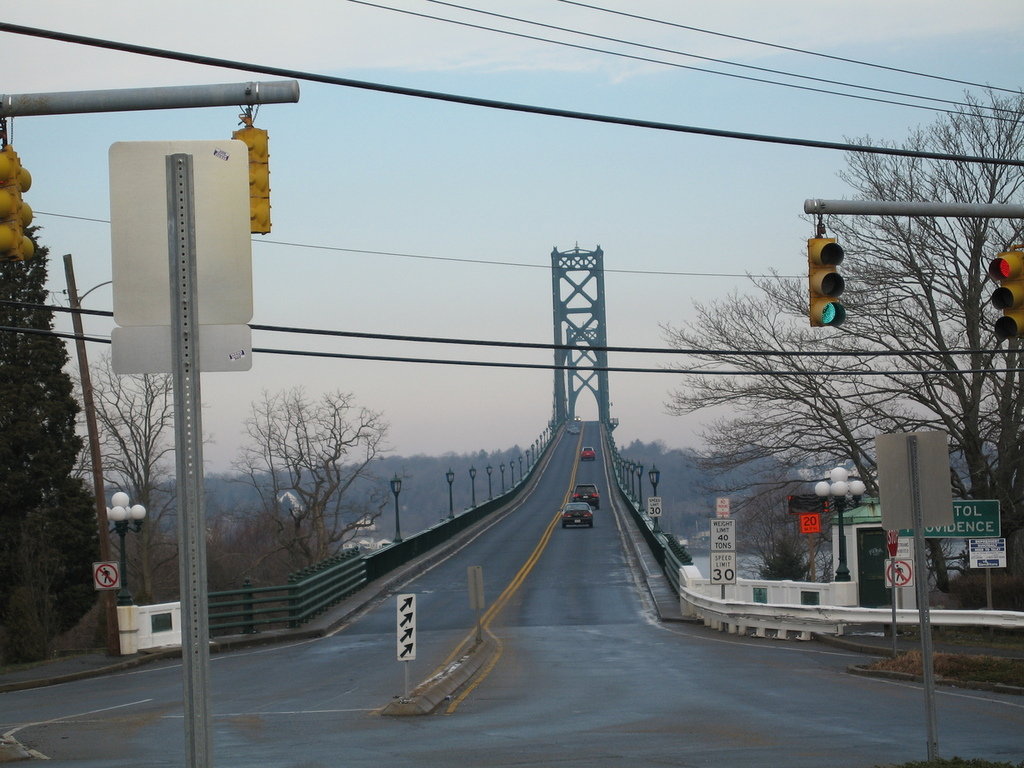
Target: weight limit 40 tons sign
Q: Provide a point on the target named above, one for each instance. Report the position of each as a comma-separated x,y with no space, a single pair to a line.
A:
723,551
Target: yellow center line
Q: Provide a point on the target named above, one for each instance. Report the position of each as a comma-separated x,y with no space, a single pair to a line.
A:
498,605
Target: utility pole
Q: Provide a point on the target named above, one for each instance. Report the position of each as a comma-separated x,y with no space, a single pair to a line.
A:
96,459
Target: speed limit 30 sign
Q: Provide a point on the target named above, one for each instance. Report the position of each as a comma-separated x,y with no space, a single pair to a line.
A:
723,567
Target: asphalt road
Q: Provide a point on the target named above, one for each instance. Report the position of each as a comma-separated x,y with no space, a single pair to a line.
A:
585,675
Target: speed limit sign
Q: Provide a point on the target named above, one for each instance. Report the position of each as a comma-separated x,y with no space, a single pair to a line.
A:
723,567
654,506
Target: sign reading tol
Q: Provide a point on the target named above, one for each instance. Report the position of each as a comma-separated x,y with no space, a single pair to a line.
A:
972,519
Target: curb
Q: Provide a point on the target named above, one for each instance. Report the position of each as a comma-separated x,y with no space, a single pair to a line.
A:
443,686
1011,690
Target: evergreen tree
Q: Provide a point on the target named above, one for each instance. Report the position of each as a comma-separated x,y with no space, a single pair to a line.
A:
47,517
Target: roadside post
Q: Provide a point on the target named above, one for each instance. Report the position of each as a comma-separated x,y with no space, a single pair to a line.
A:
475,574
405,626
723,552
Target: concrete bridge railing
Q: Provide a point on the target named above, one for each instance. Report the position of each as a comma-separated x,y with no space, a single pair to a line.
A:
793,610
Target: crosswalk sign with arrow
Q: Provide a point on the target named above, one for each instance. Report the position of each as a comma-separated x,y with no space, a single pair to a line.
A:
406,627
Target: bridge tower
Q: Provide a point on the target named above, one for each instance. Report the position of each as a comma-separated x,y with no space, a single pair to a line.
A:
577,298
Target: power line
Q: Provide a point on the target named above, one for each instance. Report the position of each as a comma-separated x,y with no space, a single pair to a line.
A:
492,103
790,48
452,259
541,345
552,367
676,52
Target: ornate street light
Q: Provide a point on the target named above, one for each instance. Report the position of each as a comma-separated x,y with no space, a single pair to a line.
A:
502,468
396,488
450,477
640,483
520,469
472,477
490,493
840,488
511,473
125,518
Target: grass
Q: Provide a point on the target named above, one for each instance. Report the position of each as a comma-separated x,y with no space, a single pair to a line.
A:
958,666
956,762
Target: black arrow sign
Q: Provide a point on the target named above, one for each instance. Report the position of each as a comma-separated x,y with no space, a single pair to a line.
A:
407,651
407,635
407,603
405,619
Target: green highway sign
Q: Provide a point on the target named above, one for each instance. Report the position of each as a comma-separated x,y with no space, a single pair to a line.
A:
972,519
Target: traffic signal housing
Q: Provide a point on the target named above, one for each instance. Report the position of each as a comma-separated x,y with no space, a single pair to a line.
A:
824,282
259,176
15,213
1008,269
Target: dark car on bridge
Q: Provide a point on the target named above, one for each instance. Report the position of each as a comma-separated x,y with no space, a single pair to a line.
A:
588,454
577,514
587,492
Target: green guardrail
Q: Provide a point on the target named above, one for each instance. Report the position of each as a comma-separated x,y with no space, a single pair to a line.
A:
311,591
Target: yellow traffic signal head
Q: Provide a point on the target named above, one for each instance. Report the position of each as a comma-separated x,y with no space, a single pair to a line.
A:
15,214
256,140
1008,269
824,283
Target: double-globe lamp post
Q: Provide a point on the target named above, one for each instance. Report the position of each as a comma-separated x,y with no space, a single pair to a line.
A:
839,487
125,518
396,488
450,477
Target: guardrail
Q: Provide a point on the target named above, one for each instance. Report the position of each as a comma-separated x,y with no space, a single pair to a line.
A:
313,590
798,621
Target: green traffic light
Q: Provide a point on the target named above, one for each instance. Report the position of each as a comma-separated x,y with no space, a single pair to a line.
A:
833,313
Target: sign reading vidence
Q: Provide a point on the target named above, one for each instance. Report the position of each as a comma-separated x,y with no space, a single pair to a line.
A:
972,519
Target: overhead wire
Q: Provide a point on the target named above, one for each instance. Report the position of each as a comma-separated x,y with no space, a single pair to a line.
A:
676,52
493,103
791,49
454,259
552,366
528,344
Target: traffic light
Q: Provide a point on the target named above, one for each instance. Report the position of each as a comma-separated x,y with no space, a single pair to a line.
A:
15,213
259,175
824,254
1008,269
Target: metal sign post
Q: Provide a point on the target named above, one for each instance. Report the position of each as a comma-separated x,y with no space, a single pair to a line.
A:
924,622
188,435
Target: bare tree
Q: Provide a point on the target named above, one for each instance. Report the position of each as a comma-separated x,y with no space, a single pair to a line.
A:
916,351
303,457
135,416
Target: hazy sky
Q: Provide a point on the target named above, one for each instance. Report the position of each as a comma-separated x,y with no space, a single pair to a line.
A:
401,215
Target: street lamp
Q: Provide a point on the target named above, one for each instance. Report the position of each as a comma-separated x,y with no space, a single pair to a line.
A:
511,472
125,518
655,476
840,488
472,477
640,483
490,493
520,468
396,488
502,468
450,477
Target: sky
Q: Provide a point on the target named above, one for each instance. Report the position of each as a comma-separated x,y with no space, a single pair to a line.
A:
401,215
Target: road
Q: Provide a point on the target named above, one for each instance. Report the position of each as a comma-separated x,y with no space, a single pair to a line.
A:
586,676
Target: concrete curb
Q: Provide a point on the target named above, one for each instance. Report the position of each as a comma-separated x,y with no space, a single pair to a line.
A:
443,686
1011,690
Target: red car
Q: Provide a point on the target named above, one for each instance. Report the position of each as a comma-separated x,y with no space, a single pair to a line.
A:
587,454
